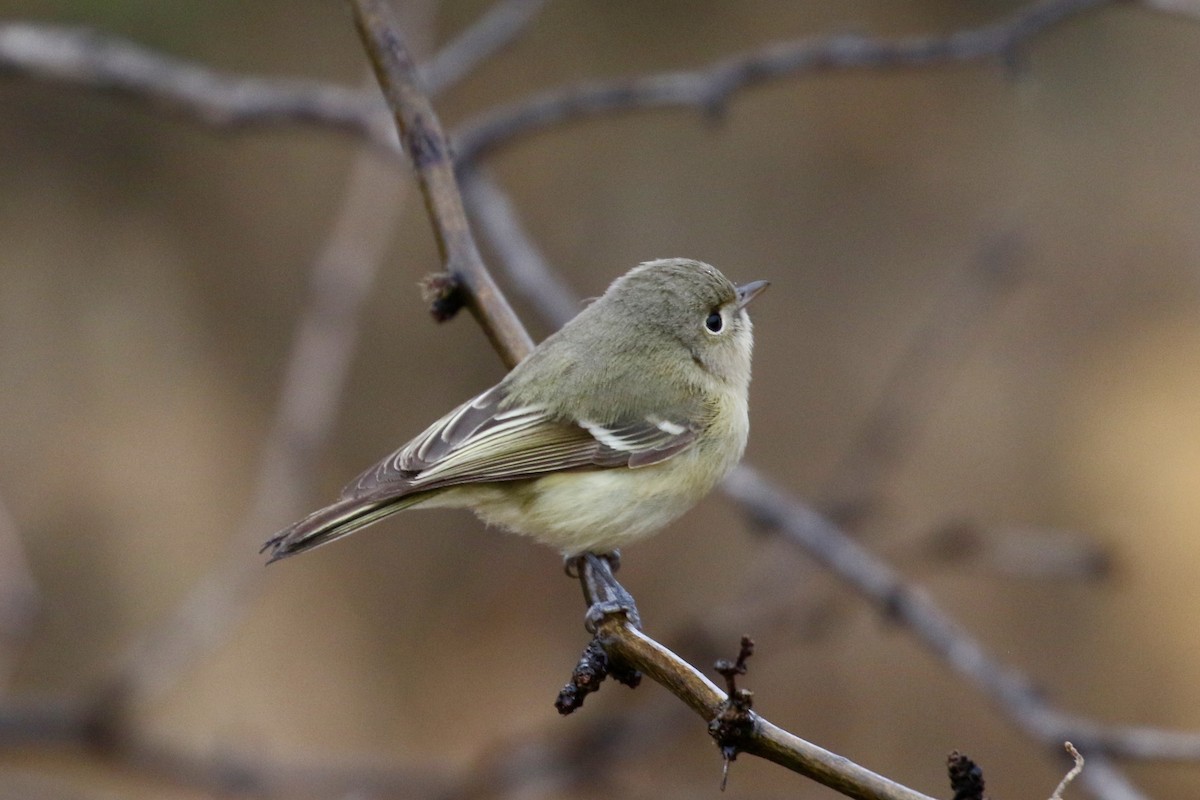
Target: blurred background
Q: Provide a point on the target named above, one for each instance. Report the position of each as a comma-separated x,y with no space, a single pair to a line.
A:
981,350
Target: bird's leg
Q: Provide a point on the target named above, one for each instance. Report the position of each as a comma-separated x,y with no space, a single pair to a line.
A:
573,564
605,597
603,594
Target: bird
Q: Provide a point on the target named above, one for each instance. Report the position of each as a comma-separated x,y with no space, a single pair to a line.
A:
611,428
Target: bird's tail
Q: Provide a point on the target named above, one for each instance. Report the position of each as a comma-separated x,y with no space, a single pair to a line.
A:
333,522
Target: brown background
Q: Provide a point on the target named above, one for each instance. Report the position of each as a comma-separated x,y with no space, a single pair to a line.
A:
151,272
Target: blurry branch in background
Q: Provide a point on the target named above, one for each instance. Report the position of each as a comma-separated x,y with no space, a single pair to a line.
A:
1009,690
42,723
495,29
313,385
58,725
1187,8
1016,551
709,89
18,595
88,60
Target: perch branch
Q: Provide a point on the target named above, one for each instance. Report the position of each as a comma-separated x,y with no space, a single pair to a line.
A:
768,741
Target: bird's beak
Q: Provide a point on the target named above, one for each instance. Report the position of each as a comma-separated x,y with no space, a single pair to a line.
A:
749,291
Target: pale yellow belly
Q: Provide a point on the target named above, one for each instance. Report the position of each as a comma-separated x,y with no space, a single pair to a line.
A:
604,509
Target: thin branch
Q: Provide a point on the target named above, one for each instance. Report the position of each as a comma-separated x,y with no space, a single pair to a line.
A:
528,273
495,29
425,143
85,59
708,90
768,741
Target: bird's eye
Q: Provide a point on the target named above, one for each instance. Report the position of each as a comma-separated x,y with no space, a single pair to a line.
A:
714,322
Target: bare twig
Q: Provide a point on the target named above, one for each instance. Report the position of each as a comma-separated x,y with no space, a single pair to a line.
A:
51,722
527,271
495,29
85,59
427,148
709,89
1070,776
767,741
88,60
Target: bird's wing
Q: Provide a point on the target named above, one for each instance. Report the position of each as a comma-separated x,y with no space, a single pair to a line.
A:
482,442
479,442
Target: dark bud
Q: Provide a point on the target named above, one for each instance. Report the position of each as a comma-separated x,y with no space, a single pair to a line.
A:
444,293
966,778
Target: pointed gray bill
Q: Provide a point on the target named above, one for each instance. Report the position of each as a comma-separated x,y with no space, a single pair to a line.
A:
748,291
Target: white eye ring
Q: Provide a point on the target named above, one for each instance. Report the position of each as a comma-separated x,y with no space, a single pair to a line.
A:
715,323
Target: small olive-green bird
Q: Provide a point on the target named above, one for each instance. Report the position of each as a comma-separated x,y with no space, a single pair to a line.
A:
610,429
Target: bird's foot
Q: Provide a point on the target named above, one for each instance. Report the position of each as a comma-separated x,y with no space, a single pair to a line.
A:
603,594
